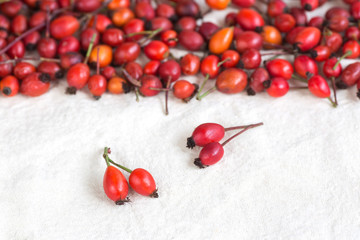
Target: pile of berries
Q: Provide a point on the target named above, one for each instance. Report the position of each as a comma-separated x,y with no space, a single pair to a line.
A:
72,37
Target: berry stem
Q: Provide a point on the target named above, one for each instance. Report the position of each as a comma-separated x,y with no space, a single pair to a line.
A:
108,160
202,86
97,61
167,97
348,53
223,61
160,89
296,77
132,80
207,93
90,48
237,127
237,134
151,33
137,94
334,89
332,102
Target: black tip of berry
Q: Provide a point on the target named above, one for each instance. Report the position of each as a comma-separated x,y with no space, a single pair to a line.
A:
309,74
332,55
96,97
154,194
358,94
126,87
266,84
6,91
198,163
296,47
71,90
30,47
45,77
240,64
190,143
313,53
259,29
351,19
341,85
173,18
307,7
251,92
286,10
110,26
59,74
93,65
122,202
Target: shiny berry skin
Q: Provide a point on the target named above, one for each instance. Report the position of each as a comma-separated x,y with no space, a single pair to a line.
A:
169,37
69,59
352,46
169,70
47,47
290,36
217,4
309,5
48,4
280,68
134,26
152,67
17,50
337,11
105,55
134,69
115,185
232,58
108,72
35,84
64,26
51,68
191,40
328,68
308,38
78,75
299,15
183,89
9,86
319,87
142,182
5,68
147,82
320,53
257,78
284,22
166,11
118,4
159,22
249,19
243,3
209,155
275,8
231,81
271,35
209,65
333,40
37,18
247,40
355,10
102,22
221,40
113,37
208,29
190,64
350,75
126,52
86,36
87,6
18,24
97,85
117,85
144,10
11,8
250,59
187,8
305,66
317,22
156,50
278,87
31,40
338,23
22,69
68,44
204,134
122,16
352,33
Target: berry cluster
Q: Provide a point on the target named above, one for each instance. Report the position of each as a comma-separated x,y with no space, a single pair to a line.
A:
74,36
116,186
208,135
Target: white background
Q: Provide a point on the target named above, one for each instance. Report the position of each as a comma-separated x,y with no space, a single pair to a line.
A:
296,177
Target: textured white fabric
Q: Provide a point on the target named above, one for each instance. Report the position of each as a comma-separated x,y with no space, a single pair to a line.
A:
296,177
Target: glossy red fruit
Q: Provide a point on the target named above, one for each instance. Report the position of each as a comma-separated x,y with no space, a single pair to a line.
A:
5,68
144,10
97,85
280,68
250,59
9,86
183,89
291,36
275,8
338,23
68,44
243,3
208,29
305,66
209,155
320,53
284,22
230,58
249,19
333,40
337,11
108,72
86,36
23,69
352,33
209,65
308,38
247,40
157,23
87,6
134,69
191,40
156,50
35,84
355,10
11,8
52,69
187,8
115,185
353,47
328,68
142,182
37,18
50,5
166,11
299,15
231,81
102,22
319,87
113,37
69,59
31,40
18,24
78,75
257,78
132,27
47,47
278,87
169,70
126,52
190,64
152,67
17,50
148,82
309,5
204,134
64,26
349,76
317,22
230,19
169,37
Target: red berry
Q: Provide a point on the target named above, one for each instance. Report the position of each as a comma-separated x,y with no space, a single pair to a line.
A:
9,86
319,87
210,154
143,182
280,68
183,89
35,84
115,185
78,75
190,64
148,82
278,87
97,85
64,26
305,66
204,134
23,69
156,50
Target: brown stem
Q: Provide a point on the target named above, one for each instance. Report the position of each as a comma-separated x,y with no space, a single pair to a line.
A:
132,80
237,127
334,89
167,97
97,61
234,136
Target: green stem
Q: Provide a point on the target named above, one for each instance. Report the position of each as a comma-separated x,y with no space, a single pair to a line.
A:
207,93
348,53
148,32
90,48
296,77
160,89
332,102
137,94
108,160
234,136
223,61
120,166
202,86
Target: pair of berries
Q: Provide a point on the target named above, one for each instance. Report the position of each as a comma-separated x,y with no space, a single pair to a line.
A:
116,186
208,135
